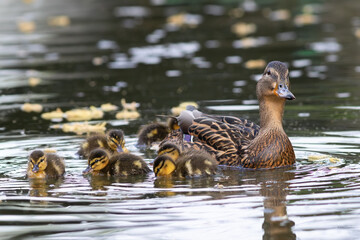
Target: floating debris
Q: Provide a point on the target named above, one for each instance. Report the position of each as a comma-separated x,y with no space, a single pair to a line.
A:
129,110
243,29
54,115
256,63
108,107
33,81
127,114
49,150
184,20
357,33
84,114
26,26
251,42
306,19
323,157
278,15
182,106
31,107
219,186
81,128
59,21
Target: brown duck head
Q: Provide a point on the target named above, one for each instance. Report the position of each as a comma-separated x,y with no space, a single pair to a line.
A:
275,82
98,160
37,161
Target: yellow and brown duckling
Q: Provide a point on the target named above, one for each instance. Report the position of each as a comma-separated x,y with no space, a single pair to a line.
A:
113,141
189,163
44,165
123,164
239,142
156,132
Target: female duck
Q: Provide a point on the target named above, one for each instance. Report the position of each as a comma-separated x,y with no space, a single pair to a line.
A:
190,163
122,164
43,165
113,141
239,142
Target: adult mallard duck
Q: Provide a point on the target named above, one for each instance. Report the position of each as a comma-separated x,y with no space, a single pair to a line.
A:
121,164
113,141
239,142
43,165
189,163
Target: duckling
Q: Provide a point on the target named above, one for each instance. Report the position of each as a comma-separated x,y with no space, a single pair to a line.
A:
190,163
240,142
43,165
113,142
156,132
121,164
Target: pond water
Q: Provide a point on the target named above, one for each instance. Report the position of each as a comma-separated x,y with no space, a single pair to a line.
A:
69,54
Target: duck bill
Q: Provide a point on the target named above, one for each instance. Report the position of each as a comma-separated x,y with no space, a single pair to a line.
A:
284,92
35,168
87,170
121,149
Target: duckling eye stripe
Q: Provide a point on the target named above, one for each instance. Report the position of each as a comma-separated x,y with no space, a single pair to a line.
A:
95,160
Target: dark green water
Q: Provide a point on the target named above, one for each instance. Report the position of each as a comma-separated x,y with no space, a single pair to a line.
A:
111,50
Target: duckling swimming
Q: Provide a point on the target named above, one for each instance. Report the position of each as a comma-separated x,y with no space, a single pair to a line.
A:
189,163
121,164
113,142
155,132
43,165
240,142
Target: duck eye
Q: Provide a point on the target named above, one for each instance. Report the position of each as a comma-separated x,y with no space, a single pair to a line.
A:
280,86
268,73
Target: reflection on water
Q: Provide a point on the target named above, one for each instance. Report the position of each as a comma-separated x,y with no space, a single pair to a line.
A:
72,54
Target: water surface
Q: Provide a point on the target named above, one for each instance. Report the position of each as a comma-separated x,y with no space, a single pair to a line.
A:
160,53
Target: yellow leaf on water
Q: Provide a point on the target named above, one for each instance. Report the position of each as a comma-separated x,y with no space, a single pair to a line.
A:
108,107
59,21
255,63
26,26
242,29
126,114
31,107
57,114
33,81
317,157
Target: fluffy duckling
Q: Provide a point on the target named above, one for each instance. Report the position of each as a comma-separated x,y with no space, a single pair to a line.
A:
113,141
191,163
156,132
42,165
122,164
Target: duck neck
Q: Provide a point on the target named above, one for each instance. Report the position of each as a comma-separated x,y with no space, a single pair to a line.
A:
271,113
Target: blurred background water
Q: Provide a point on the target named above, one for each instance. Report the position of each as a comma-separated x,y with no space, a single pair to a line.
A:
71,54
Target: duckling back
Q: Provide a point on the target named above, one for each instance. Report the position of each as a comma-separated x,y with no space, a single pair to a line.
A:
126,164
56,165
195,163
151,133
91,143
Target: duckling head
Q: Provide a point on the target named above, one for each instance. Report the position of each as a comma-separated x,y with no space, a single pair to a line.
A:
98,159
169,149
275,82
164,165
37,161
116,141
